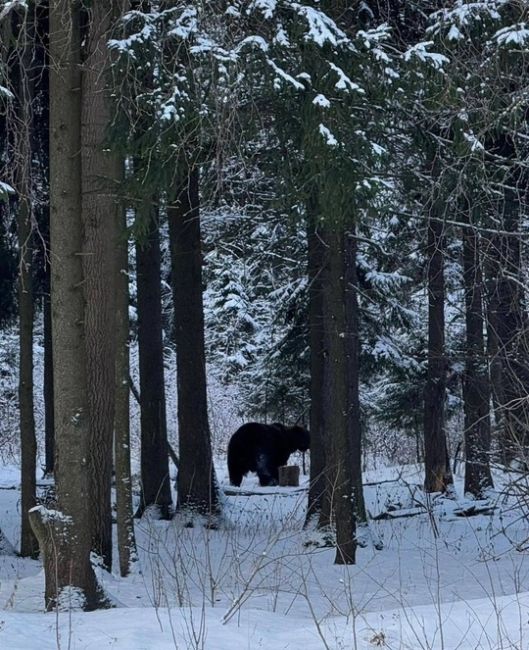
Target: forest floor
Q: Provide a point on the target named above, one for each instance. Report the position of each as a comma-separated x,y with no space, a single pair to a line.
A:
427,577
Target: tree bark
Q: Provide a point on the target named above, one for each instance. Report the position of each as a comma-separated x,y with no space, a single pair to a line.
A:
41,161
49,424
476,387
197,485
100,175
28,441
438,476
318,500
491,273
124,516
339,452
65,535
510,316
155,485
352,342
288,475
25,32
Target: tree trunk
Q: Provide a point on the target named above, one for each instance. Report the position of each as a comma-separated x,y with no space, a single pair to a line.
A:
25,30
491,272
339,452
288,476
197,486
125,522
28,442
352,342
49,424
41,161
100,174
476,388
511,318
65,535
155,485
438,476
318,504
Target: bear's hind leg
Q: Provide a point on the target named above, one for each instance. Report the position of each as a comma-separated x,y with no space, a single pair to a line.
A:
268,475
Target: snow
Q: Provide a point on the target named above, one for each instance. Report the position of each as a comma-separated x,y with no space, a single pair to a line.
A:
322,30
186,24
50,515
454,33
282,75
266,7
5,189
329,138
378,149
420,51
465,13
321,101
258,41
126,46
513,35
425,578
160,629
10,5
344,83
5,92
475,144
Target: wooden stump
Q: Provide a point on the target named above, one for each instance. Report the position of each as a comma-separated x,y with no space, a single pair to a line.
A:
289,476
54,532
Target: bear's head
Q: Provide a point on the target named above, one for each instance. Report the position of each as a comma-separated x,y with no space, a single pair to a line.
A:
299,438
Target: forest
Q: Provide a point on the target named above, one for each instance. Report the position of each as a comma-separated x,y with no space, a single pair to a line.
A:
310,215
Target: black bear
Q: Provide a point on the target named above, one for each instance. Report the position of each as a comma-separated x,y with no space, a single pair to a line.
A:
263,448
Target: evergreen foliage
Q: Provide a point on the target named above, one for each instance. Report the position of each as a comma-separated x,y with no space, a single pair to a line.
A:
378,119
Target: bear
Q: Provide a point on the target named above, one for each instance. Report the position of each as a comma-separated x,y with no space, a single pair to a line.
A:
263,448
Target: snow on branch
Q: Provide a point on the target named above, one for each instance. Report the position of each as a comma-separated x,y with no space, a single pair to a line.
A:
5,190
465,14
266,7
420,52
185,25
329,138
321,29
137,39
282,75
5,93
512,35
12,4
344,82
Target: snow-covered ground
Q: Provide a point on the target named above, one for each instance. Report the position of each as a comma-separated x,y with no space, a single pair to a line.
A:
440,580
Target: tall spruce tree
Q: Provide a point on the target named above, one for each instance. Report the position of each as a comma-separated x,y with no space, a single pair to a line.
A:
22,50
100,175
122,444
197,485
155,485
65,535
476,386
